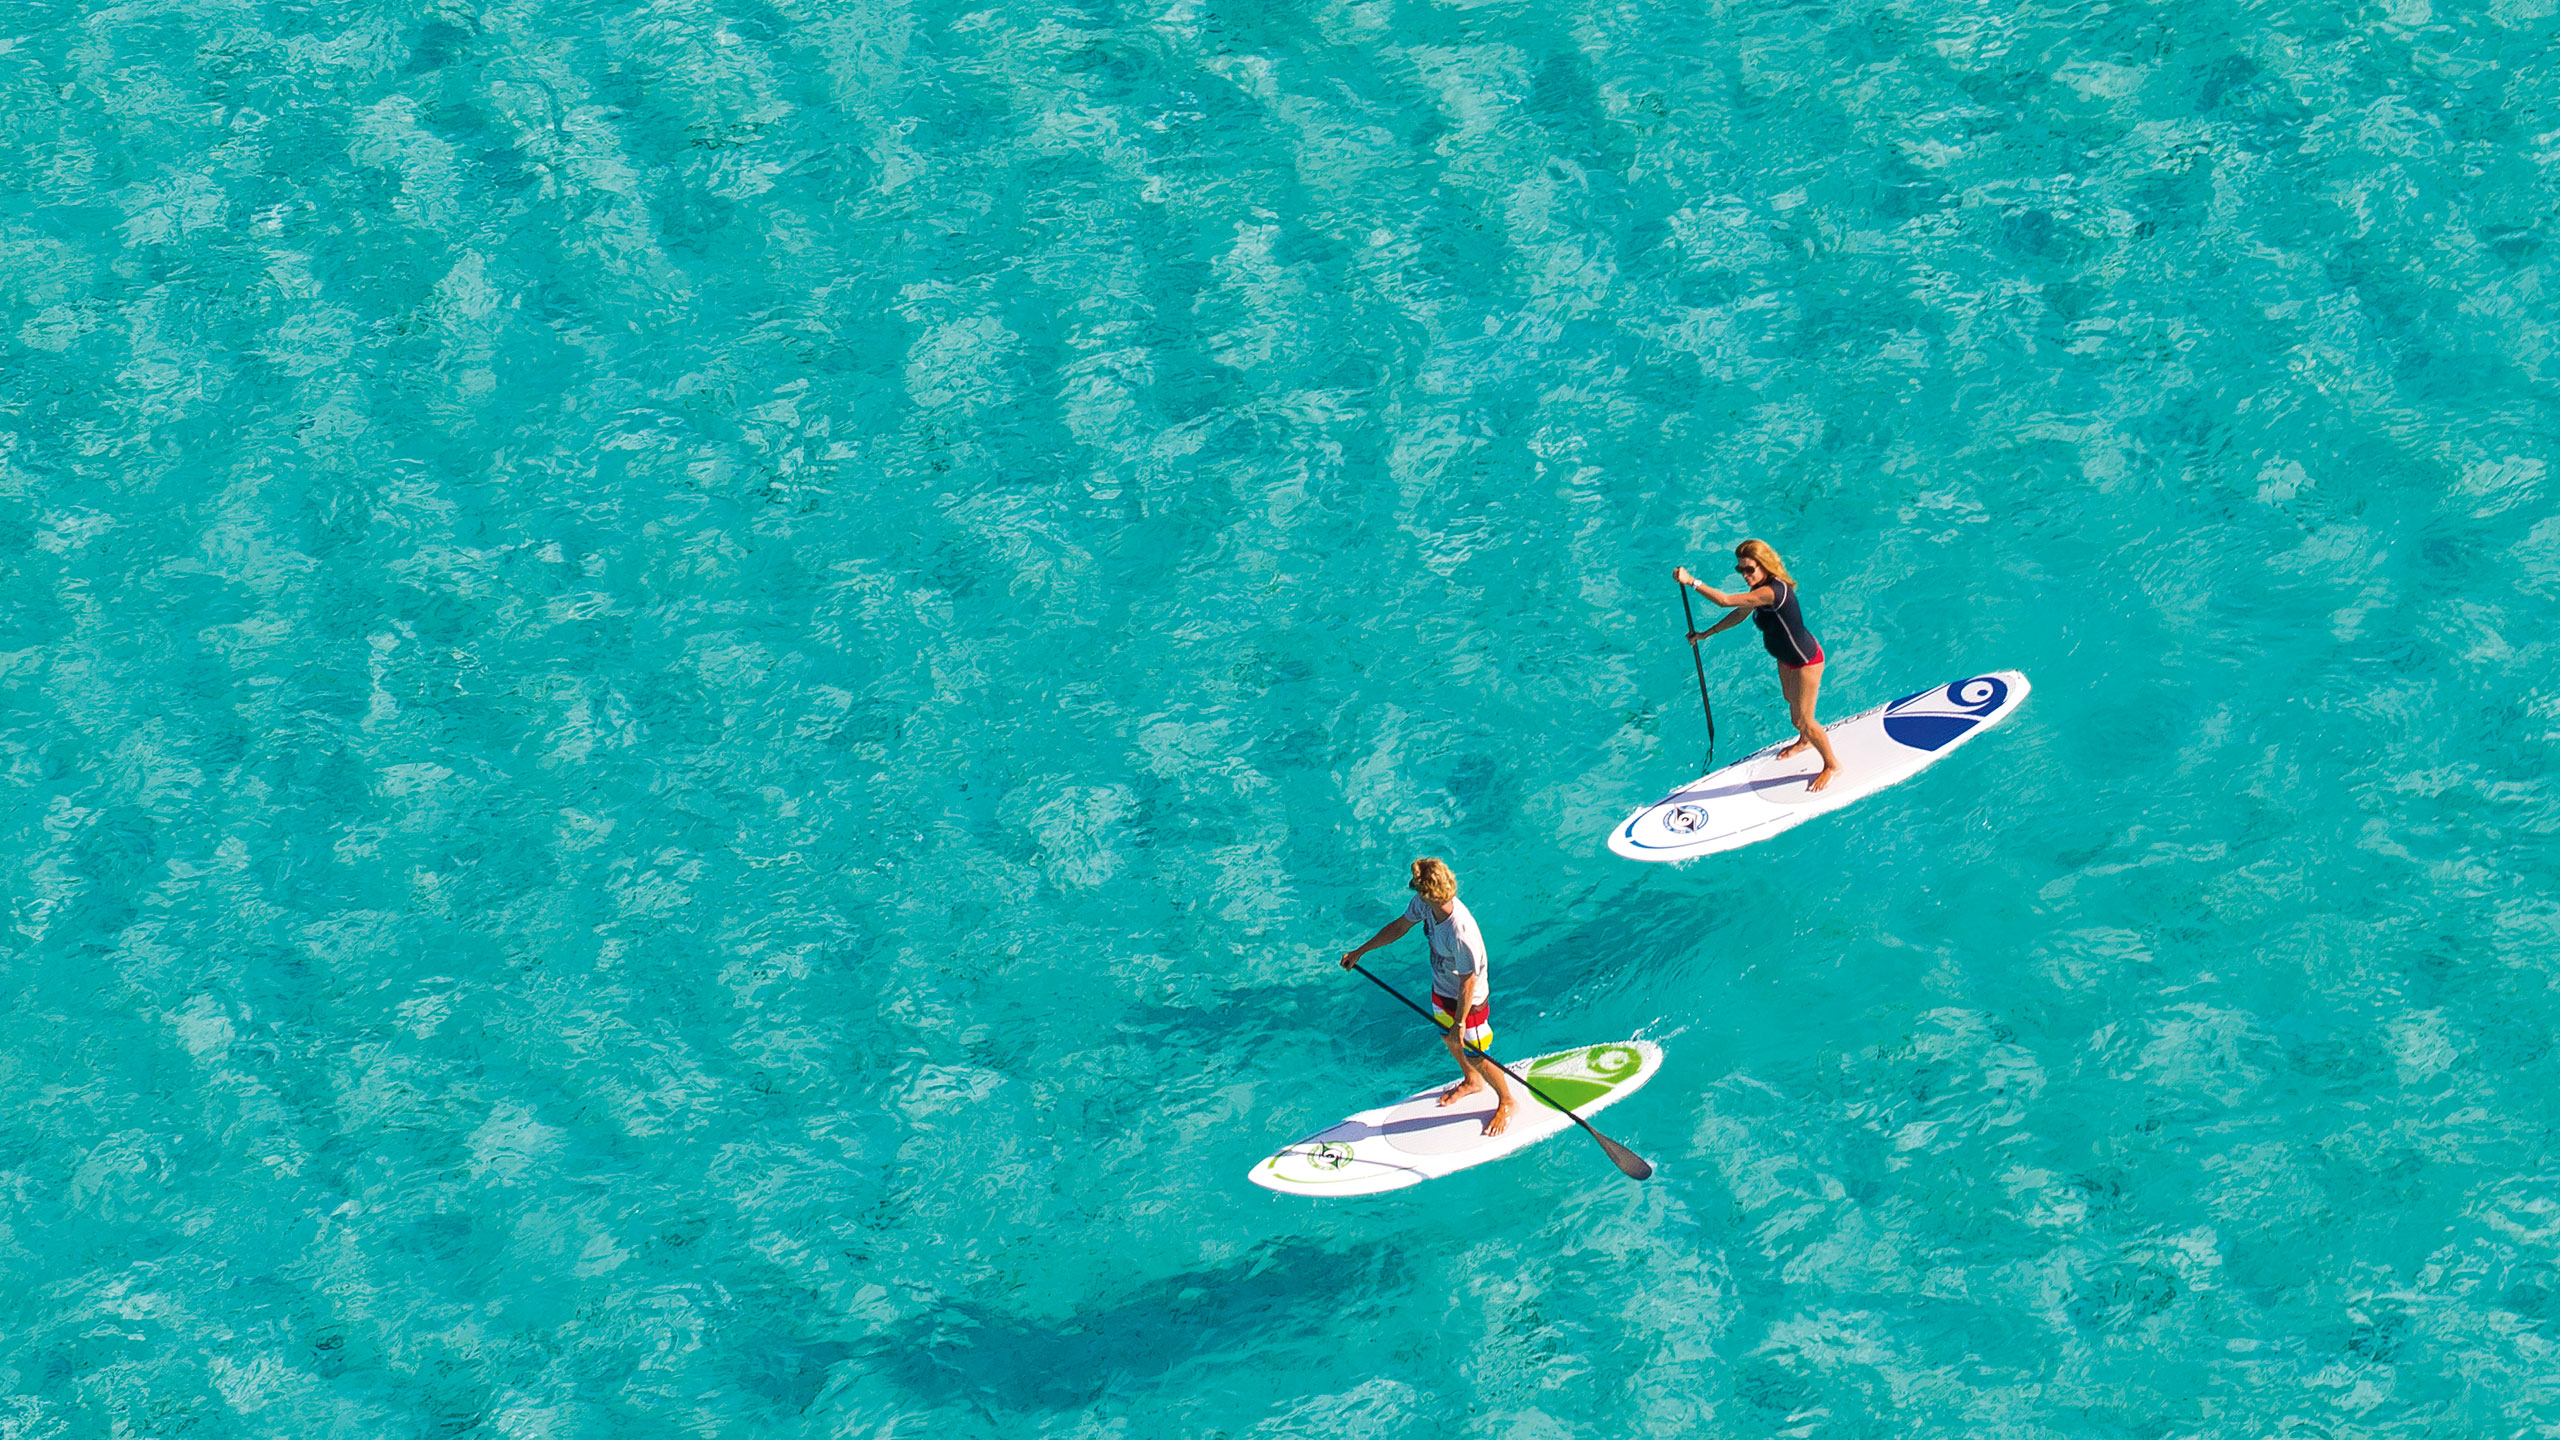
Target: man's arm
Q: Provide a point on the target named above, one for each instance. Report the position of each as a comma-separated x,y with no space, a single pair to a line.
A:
1388,934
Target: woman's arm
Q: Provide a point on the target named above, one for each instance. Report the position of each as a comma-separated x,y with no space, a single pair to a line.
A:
1738,600
1726,623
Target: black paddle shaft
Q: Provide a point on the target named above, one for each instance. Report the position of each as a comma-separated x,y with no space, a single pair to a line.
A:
1692,617
1634,1166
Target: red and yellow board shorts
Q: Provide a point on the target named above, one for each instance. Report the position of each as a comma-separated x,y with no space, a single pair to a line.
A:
1479,1032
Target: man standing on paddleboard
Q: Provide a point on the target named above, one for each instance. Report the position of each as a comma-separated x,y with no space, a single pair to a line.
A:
1771,604
1461,985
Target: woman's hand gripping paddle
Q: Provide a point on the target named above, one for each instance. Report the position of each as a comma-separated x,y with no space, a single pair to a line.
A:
1625,1159
1692,617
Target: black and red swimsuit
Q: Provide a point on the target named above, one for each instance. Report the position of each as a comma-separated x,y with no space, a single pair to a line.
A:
1782,629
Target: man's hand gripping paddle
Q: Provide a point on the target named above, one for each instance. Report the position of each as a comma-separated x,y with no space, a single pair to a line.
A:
1619,1155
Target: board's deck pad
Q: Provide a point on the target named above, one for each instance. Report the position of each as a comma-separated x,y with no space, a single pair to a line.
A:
1765,792
1417,1138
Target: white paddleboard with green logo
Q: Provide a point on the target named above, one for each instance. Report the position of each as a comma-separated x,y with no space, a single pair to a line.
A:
1417,1138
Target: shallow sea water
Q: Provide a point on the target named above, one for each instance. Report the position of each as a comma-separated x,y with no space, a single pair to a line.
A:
694,693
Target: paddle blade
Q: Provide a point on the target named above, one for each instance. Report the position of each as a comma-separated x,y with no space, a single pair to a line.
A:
1625,1159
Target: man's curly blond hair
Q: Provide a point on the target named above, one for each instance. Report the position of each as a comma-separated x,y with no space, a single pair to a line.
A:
1433,881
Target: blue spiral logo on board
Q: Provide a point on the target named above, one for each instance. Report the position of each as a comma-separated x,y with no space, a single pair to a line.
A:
1935,719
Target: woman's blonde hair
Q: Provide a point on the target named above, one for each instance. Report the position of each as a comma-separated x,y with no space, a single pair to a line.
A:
1759,551
1432,880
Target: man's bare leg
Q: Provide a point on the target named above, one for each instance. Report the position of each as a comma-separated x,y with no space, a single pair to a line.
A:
1467,1084
1500,1119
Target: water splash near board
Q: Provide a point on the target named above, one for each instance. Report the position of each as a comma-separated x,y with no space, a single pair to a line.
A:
1765,793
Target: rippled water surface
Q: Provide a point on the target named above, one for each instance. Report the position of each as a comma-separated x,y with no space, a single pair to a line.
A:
694,692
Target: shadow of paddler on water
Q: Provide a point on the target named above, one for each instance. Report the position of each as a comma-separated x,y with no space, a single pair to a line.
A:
964,1352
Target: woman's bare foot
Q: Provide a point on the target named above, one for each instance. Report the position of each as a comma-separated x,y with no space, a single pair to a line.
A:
1818,781
1499,1120
1468,1086
1797,748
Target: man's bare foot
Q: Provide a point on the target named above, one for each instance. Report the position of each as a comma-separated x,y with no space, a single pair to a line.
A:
1499,1120
1797,748
1468,1086
1822,779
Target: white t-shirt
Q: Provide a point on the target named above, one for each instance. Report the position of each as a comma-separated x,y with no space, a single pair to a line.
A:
1457,947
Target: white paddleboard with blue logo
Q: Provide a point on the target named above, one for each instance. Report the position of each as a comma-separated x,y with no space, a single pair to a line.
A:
1759,795
1418,1138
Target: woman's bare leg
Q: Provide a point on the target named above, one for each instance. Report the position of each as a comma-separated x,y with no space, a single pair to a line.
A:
1802,687
1791,684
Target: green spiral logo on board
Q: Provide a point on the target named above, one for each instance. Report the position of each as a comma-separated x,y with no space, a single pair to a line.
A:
1609,1062
1331,1155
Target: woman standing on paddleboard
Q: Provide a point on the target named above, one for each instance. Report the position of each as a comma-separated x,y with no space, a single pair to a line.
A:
1461,982
1771,603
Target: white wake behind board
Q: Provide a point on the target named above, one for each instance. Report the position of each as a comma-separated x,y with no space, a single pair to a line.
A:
1761,794
1417,1139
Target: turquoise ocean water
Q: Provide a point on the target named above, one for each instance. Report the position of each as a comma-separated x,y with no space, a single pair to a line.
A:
694,692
